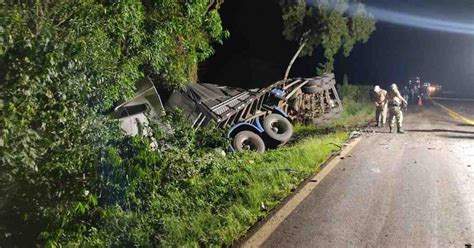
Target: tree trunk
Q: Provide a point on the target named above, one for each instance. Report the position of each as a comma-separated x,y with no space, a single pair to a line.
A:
302,45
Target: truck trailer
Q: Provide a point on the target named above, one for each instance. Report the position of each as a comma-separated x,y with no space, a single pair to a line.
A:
254,119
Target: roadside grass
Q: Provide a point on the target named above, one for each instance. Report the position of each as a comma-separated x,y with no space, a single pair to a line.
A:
250,186
354,115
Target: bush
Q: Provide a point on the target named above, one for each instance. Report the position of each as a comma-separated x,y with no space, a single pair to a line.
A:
142,179
355,93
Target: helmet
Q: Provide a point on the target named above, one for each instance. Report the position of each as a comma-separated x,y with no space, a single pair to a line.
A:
377,88
393,87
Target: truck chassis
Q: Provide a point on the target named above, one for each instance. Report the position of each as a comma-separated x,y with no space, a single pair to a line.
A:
256,119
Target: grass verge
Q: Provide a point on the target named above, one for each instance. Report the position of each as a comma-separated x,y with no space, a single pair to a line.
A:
354,115
254,184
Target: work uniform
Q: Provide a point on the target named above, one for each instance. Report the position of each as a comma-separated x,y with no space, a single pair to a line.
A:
380,107
395,104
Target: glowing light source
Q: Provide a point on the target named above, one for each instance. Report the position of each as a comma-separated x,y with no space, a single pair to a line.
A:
431,23
413,20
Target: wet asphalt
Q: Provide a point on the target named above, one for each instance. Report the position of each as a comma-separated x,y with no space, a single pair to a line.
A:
395,190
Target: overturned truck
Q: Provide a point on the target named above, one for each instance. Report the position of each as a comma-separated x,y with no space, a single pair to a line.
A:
254,119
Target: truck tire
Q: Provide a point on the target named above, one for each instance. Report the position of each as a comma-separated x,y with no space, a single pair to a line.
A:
329,75
317,88
278,127
248,141
315,82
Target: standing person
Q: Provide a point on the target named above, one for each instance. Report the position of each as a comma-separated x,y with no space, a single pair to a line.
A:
406,94
412,94
380,99
395,105
417,94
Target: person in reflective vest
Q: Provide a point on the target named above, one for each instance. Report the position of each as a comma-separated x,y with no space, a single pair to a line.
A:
395,105
380,96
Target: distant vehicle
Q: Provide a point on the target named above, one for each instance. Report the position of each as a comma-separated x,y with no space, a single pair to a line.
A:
254,119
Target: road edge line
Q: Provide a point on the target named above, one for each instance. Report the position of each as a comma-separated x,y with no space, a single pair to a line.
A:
453,113
270,225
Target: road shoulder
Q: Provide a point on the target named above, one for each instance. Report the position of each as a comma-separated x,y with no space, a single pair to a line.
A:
260,232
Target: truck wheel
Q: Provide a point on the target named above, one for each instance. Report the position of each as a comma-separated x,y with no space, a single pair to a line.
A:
315,82
317,88
278,128
330,76
248,141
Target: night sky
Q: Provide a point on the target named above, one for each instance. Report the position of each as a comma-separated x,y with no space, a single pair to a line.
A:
256,54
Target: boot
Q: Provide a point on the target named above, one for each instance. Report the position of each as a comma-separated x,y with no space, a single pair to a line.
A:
400,130
390,129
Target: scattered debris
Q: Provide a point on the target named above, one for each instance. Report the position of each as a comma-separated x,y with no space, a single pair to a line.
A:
468,245
415,162
355,134
343,169
431,148
313,180
342,158
263,207
468,165
375,170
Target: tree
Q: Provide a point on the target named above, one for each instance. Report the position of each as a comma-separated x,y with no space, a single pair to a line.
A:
332,25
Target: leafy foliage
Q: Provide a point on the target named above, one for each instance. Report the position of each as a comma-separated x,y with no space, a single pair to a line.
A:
63,64
332,25
139,180
189,198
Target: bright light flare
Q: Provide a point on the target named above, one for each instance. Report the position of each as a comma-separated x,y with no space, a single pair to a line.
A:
431,23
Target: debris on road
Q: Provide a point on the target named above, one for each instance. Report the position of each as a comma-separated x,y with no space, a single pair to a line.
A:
375,170
355,134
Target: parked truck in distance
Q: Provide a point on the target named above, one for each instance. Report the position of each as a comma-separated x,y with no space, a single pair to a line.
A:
254,119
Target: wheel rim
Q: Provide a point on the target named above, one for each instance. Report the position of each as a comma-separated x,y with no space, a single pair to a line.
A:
278,127
249,145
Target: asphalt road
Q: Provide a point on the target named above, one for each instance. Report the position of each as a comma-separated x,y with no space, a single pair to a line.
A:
395,190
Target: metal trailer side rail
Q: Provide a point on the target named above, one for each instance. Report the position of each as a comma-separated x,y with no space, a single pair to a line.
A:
274,98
